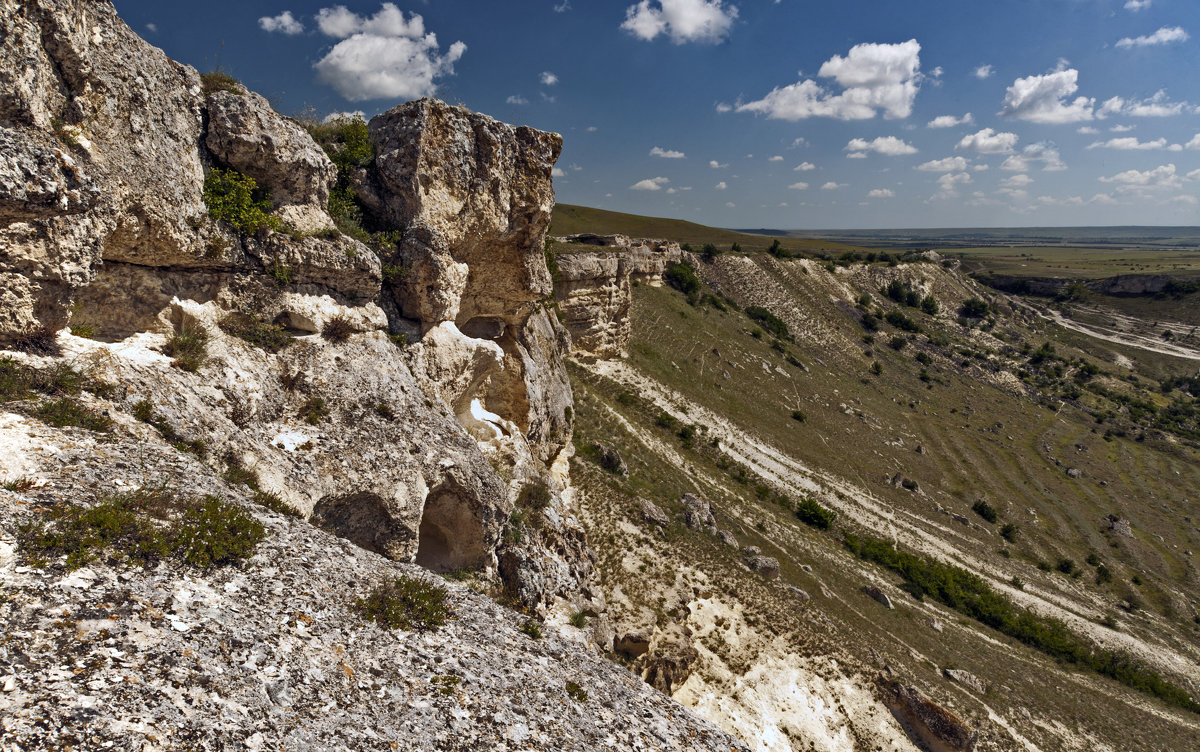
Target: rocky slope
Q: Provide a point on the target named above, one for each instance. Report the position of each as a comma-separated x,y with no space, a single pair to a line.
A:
405,387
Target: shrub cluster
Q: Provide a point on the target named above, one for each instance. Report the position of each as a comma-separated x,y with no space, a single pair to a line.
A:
769,321
250,328
406,603
236,198
811,513
683,277
971,595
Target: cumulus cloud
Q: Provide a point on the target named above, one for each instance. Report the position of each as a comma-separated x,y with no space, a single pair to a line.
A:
557,172
832,186
382,56
1086,130
1165,35
949,164
949,121
807,166
1044,153
680,20
881,193
1158,105
1136,5
658,151
720,186
717,165
1043,99
1017,181
548,79
284,23
988,141
722,107
649,184
886,145
799,186
775,158
983,71
517,99
874,78
1129,143
1159,178
948,184
1194,143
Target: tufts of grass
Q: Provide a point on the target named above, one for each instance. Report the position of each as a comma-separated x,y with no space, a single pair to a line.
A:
38,340
579,620
1009,532
189,346
218,80
16,381
314,411
19,485
406,603
576,692
144,411
338,329
66,411
275,503
142,528
253,330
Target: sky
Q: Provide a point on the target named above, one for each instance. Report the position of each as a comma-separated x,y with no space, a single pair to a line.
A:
786,114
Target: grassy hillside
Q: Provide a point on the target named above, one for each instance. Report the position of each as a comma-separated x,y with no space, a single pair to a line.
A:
570,220
999,444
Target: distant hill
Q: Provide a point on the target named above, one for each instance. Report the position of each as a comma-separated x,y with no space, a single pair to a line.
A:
569,219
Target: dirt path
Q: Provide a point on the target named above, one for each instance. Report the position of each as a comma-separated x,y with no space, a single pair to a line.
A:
1118,337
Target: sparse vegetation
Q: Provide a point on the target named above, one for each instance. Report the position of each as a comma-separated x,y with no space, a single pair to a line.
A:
986,511
813,514
532,629
66,411
218,80
250,328
576,692
338,329
237,199
406,603
314,411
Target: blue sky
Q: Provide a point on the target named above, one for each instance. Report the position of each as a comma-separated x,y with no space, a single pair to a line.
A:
769,113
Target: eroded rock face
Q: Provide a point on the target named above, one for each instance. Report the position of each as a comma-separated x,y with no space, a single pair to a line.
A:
593,287
929,723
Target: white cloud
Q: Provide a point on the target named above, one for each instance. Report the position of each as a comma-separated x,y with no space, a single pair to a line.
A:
832,186
730,204
937,72
563,7
988,141
1165,35
284,23
649,184
1039,152
1122,128
1016,181
775,158
548,79
949,121
799,186
1193,175
152,28
516,99
1129,143
1160,177
671,191
722,107
1136,5
881,193
1156,106
681,20
1042,99
874,78
383,56
886,145
807,166
1194,143
949,164
666,153
717,165
857,155
720,186
983,71
557,172
949,183
592,129
1086,130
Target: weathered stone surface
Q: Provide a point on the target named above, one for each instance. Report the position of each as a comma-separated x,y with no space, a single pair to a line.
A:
653,514
245,133
928,722
610,459
632,644
697,513
727,538
878,595
965,678
469,190
593,287
668,661
767,566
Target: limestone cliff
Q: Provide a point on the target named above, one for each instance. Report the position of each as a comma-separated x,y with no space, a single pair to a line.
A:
406,389
592,286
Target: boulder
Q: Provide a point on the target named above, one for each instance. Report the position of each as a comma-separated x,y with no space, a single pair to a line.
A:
929,723
727,538
767,566
965,678
610,459
878,595
632,644
653,514
697,513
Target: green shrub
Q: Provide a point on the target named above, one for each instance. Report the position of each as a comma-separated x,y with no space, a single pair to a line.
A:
16,380
665,420
142,527
535,496
1103,575
799,416
236,198
897,343
532,630
275,503
579,620
929,305
974,308
250,328
899,320
189,346
144,411
986,511
1009,532
683,277
314,411
37,340
811,513
576,692
1066,566
769,321
876,368
406,603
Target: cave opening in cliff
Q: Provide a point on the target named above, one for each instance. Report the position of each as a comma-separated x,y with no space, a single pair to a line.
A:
450,536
